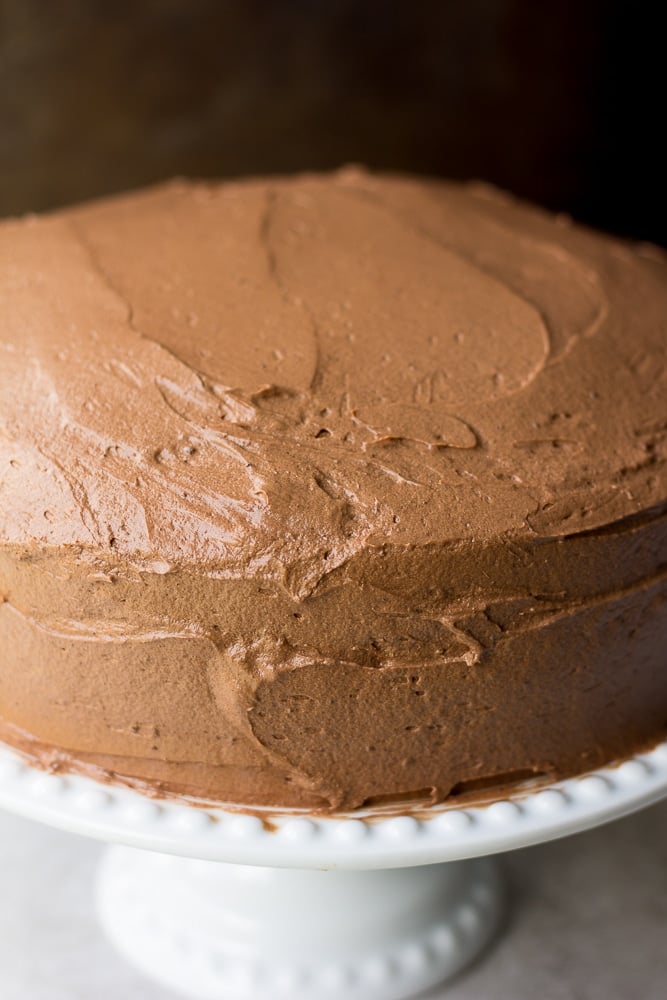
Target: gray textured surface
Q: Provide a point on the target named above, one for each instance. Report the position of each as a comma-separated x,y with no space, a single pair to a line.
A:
589,920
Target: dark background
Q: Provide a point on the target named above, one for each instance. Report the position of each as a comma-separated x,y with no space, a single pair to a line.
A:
561,102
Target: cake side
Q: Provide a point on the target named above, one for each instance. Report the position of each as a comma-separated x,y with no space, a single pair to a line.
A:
330,490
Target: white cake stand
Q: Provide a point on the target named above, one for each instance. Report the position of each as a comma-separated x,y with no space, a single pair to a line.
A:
223,906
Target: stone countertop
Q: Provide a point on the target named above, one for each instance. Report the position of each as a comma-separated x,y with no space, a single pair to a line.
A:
588,920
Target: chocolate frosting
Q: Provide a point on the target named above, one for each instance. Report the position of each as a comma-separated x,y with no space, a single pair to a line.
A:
331,489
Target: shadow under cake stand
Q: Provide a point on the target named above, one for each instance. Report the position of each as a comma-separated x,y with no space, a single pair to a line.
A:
221,905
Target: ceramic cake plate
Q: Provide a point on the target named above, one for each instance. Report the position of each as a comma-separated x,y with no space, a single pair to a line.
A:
222,905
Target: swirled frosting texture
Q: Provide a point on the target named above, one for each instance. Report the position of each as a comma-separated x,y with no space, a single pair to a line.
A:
330,489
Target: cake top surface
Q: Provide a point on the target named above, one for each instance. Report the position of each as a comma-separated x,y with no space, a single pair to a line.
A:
269,377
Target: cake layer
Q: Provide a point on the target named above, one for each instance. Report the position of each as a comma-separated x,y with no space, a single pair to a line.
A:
329,491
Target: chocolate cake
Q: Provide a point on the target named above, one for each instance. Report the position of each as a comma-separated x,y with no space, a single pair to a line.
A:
330,491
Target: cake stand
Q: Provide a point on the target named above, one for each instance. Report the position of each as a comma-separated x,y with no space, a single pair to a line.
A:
222,905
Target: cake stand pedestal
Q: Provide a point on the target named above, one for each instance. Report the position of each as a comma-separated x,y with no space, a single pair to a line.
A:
215,930
220,905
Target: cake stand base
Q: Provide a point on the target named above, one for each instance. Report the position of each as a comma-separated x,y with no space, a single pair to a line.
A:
213,930
223,906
